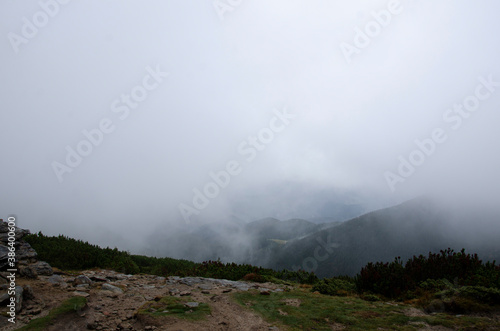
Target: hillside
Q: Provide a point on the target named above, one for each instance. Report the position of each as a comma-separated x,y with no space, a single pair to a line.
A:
412,228
255,242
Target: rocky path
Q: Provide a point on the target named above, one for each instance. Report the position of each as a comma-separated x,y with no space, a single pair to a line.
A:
113,300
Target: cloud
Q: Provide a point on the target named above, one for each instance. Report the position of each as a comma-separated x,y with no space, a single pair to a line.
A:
226,77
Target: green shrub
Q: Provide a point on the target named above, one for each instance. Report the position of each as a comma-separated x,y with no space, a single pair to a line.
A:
432,273
480,293
334,286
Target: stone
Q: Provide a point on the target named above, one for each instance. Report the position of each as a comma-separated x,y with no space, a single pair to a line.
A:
42,268
191,304
35,311
241,287
112,288
19,298
4,297
25,252
125,325
184,293
55,279
28,293
82,279
80,294
19,234
28,272
4,226
4,251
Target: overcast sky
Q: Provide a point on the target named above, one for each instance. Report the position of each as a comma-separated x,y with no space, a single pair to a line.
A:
334,92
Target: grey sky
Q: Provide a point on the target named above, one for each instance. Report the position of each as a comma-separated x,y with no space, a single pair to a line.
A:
226,78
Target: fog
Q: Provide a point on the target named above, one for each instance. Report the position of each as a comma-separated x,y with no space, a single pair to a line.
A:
122,119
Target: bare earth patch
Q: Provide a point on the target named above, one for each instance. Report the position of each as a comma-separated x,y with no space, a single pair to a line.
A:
292,302
108,310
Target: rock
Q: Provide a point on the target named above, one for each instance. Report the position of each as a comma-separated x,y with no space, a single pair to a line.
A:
190,281
125,326
265,292
227,290
205,292
80,294
241,287
4,226
4,251
191,304
112,288
173,291
82,279
173,279
55,279
92,324
184,293
204,287
42,268
28,292
19,298
82,287
19,234
28,272
25,252
4,297
35,311
99,279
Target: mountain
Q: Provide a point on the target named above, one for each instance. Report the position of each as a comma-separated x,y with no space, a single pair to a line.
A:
271,228
412,228
255,242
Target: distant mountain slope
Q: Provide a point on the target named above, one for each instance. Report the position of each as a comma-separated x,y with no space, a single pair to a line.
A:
415,227
271,228
230,241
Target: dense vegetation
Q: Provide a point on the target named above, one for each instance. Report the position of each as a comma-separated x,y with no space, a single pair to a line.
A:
395,279
71,254
446,281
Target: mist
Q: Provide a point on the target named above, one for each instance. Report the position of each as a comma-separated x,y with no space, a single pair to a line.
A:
125,123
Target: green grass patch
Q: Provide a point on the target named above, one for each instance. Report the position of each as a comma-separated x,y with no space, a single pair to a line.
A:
300,309
173,306
71,305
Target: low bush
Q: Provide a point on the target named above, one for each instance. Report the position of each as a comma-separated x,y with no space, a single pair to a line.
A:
335,286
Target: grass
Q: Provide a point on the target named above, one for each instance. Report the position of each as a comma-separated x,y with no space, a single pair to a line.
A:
173,306
322,312
69,306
